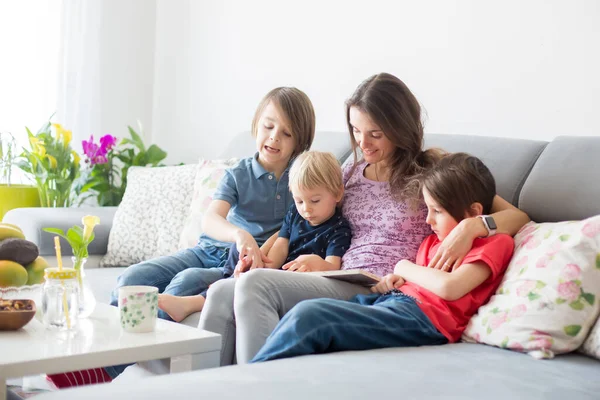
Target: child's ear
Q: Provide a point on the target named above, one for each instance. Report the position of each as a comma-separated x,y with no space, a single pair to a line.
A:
340,196
475,210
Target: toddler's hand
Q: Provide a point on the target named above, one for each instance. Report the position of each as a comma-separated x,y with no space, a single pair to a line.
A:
305,263
245,264
387,283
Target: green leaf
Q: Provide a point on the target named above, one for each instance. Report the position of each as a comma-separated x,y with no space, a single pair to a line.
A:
598,261
136,139
589,297
576,305
504,343
533,296
55,231
564,238
540,285
74,239
560,301
154,155
572,330
548,234
488,330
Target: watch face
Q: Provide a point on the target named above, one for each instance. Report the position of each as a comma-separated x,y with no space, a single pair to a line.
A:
491,223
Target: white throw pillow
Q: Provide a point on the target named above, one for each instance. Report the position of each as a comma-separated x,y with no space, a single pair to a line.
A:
549,297
207,179
149,220
591,346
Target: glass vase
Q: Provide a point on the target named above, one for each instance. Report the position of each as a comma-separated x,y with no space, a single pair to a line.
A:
87,300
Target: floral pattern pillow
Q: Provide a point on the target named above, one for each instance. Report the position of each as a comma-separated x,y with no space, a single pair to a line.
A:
549,297
207,179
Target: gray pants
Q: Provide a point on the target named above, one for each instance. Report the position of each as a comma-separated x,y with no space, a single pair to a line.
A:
246,310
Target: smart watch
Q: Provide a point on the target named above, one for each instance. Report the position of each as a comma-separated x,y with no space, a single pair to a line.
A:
489,223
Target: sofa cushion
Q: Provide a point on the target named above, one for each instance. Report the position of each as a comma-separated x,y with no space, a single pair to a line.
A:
149,220
563,184
548,299
509,160
591,346
459,371
207,179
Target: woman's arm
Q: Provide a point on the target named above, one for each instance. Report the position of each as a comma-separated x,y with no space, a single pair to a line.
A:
449,286
509,219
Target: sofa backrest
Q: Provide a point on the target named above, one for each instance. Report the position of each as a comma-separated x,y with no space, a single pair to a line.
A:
509,160
564,183
550,181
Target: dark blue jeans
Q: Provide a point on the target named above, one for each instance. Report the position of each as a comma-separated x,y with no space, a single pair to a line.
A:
364,322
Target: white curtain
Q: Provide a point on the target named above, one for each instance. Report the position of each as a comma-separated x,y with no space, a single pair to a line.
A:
107,67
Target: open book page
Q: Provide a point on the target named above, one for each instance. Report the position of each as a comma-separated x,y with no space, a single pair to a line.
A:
355,276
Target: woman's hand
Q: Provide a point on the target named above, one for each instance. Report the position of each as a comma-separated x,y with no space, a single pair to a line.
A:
457,244
247,247
387,283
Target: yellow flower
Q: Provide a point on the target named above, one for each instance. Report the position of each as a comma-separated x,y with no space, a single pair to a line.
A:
67,136
53,163
37,146
76,157
89,222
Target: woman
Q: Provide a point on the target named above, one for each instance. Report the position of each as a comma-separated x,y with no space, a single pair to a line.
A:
384,121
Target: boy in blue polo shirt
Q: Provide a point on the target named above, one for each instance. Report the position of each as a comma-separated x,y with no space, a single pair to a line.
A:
314,235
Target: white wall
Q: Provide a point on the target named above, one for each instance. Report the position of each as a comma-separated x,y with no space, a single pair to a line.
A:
512,68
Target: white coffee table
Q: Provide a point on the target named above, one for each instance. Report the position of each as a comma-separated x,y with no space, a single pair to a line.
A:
99,341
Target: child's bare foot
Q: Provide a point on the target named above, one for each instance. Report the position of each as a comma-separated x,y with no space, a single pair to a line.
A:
179,307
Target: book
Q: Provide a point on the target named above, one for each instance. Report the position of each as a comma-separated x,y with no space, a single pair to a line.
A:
356,276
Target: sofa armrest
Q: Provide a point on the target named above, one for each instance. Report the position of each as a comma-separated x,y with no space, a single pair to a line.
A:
33,220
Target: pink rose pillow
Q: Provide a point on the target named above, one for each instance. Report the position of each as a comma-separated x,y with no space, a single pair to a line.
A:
549,297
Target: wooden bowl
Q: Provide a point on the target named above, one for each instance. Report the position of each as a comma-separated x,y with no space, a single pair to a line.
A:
12,319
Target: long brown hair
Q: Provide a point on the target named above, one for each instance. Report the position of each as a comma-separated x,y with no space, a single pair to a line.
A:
457,181
298,111
392,106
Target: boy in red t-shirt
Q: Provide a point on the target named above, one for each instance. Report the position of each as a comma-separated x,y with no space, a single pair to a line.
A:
415,305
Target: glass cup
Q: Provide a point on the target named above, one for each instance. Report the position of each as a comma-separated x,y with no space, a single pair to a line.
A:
138,308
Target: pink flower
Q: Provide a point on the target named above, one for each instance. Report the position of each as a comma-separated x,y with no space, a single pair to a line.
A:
522,260
498,319
515,346
539,340
527,229
543,261
525,288
517,311
571,272
533,242
592,228
569,291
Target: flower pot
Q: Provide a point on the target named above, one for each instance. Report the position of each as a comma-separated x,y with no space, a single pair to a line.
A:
17,196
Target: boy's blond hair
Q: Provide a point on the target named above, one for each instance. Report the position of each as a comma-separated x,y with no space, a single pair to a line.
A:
314,169
298,112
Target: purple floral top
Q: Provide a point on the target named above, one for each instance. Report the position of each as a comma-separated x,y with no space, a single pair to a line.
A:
384,231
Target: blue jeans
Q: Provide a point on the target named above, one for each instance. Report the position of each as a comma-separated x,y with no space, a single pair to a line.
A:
185,273
371,321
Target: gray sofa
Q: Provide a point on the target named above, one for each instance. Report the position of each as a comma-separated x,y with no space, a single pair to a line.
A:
551,181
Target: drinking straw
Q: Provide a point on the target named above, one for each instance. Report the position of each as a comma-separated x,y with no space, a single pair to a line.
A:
64,297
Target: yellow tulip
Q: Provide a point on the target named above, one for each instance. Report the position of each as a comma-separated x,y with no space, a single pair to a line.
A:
76,157
53,163
89,222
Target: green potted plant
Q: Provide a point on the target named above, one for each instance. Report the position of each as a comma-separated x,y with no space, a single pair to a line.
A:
52,163
12,195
